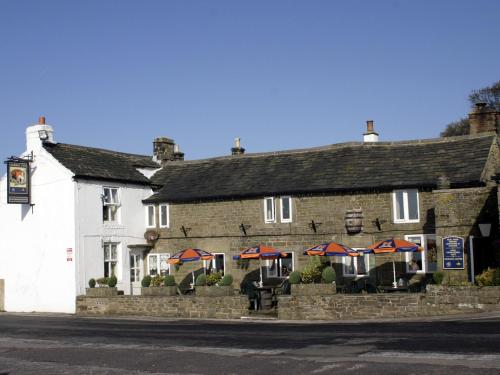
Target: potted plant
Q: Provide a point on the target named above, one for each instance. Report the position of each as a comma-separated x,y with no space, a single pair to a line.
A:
102,287
158,286
214,285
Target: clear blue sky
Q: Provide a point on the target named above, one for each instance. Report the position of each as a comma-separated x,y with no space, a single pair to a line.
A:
278,74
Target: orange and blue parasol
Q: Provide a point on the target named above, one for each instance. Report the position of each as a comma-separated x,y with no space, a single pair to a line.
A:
190,255
331,249
260,252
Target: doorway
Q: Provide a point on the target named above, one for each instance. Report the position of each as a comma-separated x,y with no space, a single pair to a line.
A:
484,254
136,267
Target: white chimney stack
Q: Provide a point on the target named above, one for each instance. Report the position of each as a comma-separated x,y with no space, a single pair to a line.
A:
37,134
370,135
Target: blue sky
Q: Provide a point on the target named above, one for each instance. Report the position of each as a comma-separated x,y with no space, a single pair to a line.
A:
278,74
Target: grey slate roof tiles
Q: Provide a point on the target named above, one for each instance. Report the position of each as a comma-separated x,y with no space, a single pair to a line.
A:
341,167
100,164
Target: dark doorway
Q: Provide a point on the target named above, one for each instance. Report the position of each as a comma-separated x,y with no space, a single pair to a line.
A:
484,254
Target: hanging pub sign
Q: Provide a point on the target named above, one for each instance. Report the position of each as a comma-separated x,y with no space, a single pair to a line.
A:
18,181
453,253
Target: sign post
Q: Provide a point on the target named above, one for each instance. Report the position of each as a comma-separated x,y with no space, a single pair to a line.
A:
18,181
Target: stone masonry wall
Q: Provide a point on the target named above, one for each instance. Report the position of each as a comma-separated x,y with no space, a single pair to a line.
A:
215,227
439,300
457,212
230,307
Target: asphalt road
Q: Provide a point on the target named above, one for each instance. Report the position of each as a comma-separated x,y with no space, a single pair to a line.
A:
43,344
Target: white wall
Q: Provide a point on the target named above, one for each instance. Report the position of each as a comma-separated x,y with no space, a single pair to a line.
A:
92,232
34,241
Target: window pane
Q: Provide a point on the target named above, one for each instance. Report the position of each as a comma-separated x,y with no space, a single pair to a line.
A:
105,213
114,195
107,195
286,265
349,266
113,252
285,207
413,204
153,265
361,265
132,261
399,205
151,216
163,216
431,254
269,209
112,213
164,266
218,263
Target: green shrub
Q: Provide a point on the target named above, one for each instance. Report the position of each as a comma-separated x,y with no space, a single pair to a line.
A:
214,278
112,281
157,280
227,280
294,277
486,278
102,281
438,277
328,275
92,283
169,280
146,281
311,274
201,280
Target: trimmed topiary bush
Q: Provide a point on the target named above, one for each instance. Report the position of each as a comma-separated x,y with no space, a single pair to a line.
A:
294,277
486,278
214,278
102,281
146,281
227,280
311,274
438,277
112,281
169,280
92,283
201,280
328,275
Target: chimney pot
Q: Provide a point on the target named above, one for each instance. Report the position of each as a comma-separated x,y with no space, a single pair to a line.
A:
41,120
370,135
237,149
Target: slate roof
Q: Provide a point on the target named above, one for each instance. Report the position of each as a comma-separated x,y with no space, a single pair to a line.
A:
100,164
336,168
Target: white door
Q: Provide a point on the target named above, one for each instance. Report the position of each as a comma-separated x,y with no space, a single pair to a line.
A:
135,272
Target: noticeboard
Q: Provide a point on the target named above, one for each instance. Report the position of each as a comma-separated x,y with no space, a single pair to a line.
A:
18,181
453,253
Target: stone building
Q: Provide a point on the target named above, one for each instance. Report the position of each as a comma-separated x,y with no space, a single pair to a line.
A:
421,191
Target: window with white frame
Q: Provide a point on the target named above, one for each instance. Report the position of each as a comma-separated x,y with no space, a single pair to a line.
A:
135,268
356,266
110,259
110,204
280,267
426,260
150,216
217,264
164,216
405,206
286,209
269,212
158,264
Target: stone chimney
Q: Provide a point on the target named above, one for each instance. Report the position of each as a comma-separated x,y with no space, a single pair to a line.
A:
178,155
38,134
370,135
237,149
483,118
163,149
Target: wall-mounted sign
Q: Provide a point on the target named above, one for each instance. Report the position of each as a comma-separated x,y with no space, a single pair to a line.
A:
69,254
18,181
453,253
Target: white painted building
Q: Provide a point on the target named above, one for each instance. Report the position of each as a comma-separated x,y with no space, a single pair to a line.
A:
86,220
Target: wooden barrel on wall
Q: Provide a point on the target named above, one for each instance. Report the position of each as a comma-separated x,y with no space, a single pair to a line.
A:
354,221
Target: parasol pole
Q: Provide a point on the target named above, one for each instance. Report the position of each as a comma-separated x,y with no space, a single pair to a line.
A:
261,280
394,284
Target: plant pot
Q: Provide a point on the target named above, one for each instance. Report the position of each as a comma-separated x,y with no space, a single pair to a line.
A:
159,291
313,289
101,292
214,291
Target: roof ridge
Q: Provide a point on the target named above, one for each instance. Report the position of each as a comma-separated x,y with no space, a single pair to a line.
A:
97,149
335,146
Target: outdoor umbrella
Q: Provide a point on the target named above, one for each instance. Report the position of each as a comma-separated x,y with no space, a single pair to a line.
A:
331,249
392,246
190,255
260,252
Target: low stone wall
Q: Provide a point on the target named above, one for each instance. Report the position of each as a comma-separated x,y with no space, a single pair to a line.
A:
101,292
229,307
439,300
313,289
159,291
